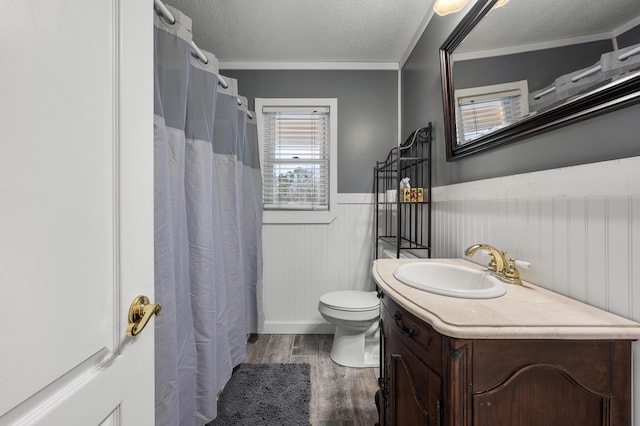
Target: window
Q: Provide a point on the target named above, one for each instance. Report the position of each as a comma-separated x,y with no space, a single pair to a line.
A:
298,149
481,110
296,158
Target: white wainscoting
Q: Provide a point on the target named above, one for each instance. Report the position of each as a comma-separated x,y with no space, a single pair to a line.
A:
578,226
304,261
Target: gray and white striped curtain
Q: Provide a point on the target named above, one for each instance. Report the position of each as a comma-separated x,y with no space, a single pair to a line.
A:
207,229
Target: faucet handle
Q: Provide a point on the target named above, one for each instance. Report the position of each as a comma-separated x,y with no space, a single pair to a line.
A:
523,264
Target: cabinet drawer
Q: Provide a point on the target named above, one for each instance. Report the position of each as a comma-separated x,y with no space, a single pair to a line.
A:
417,335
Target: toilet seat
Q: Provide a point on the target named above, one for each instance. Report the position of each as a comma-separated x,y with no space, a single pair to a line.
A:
351,300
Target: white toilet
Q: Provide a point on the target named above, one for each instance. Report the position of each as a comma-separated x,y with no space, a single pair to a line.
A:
355,314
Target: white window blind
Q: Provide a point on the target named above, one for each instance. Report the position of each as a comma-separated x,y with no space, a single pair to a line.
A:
296,158
483,110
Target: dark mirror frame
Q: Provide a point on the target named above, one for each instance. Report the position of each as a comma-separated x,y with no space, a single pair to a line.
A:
607,98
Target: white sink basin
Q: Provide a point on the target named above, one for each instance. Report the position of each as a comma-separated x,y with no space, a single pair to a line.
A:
450,280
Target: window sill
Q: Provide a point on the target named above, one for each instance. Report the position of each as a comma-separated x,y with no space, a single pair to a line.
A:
297,217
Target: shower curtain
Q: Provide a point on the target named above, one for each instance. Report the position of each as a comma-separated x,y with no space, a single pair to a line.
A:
252,220
207,228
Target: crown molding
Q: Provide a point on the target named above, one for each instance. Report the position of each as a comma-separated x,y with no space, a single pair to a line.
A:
239,65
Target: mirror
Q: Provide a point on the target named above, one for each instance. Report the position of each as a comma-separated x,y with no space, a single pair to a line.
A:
534,65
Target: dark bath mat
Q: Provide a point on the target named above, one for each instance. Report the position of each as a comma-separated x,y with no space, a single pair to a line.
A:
266,394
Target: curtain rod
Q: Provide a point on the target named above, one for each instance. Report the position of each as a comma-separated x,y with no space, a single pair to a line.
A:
629,53
546,92
164,11
248,113
587,73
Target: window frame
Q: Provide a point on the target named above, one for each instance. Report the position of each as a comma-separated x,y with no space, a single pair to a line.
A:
303,216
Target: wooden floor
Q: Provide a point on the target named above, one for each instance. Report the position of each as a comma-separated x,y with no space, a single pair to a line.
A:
340,396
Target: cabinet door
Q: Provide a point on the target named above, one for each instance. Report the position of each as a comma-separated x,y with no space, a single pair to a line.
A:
414,388
551,383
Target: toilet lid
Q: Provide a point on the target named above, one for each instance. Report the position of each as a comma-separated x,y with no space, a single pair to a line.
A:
351,300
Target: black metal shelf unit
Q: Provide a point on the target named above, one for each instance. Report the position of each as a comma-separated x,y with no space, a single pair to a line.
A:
404,225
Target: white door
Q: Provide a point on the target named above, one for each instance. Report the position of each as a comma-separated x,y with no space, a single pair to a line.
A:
76,211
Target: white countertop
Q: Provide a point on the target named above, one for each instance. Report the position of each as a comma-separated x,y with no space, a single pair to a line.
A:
524,312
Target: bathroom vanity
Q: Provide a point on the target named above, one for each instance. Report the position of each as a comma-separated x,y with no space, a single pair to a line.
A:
530,357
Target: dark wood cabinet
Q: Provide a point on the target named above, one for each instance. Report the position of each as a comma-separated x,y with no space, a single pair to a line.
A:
431,379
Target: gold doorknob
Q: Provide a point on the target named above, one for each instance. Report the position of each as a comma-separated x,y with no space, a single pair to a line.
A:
140,313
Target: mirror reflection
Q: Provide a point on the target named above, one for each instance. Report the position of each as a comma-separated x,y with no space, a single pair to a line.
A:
531,56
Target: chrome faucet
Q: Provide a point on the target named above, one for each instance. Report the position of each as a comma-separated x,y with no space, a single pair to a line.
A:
504,270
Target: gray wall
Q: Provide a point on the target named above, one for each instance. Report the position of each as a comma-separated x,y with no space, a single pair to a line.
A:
367,112
629,38
610,136
529,66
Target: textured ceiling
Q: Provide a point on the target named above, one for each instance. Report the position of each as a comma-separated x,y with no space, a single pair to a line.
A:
305,30
523,22
378,31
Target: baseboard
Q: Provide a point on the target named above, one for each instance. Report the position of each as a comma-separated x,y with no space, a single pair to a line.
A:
303,327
